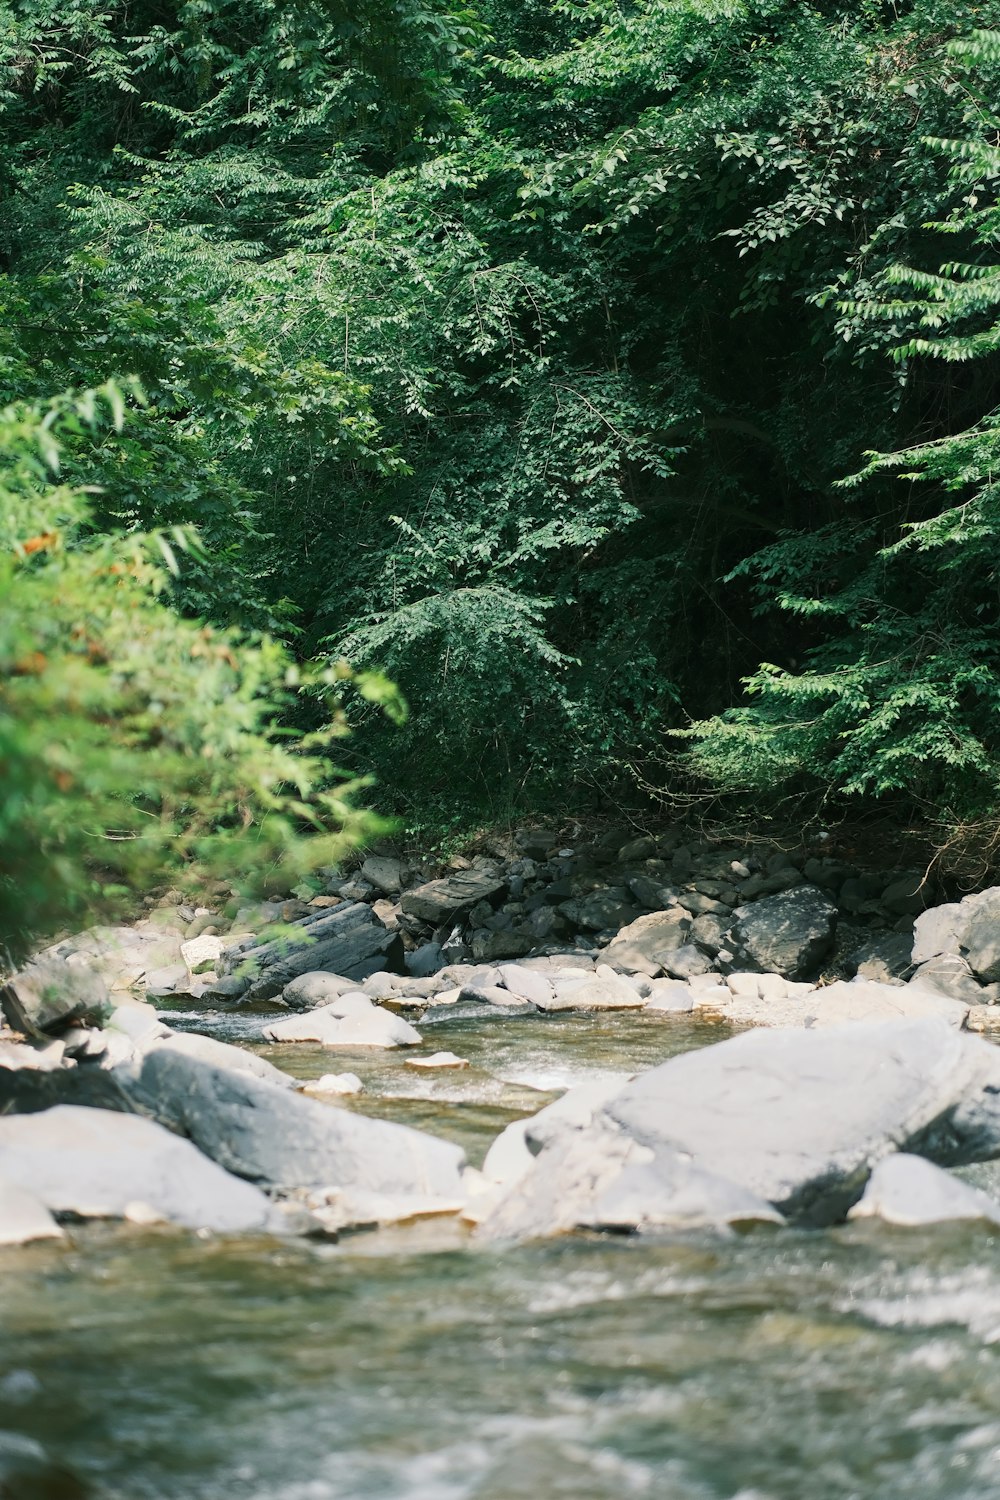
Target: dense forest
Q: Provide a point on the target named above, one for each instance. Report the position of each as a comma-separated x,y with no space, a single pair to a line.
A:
564,397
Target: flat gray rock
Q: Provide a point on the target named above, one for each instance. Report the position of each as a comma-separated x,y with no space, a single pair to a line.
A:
282,1139
910,1191
478,1010
89,1163
800,1118
439,901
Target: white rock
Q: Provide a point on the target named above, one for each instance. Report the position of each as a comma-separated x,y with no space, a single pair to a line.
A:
202,952
936,931
438,1060
334,1083
526,983
744,984
138,1212
447,997
95,1164
23,1217
140,1023
841,1003
370,1026
604,990
908,1190
17,1055
670,996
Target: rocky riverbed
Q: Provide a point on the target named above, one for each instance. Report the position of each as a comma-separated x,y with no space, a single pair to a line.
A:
393,1071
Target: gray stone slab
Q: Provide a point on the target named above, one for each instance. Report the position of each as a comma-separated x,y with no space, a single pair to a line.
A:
346,940
439,901
283,1140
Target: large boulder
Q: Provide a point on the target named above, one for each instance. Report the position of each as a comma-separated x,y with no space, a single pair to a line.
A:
801,1118
49,994
789,933
223,1055
643,946
347,940
440,901
281,1139
936,932
767,1125
90,1163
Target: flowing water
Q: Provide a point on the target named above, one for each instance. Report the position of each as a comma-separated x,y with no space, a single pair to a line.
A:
857,1364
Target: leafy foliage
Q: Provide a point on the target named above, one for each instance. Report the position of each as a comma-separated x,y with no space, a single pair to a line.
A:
900,694
521,352
134,744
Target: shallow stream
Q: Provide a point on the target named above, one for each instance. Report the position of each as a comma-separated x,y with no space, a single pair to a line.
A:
857,1364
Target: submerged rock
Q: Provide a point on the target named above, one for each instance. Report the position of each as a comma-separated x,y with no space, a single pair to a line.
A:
28,1473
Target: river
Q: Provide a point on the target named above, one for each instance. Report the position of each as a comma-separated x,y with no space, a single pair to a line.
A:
861,1363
